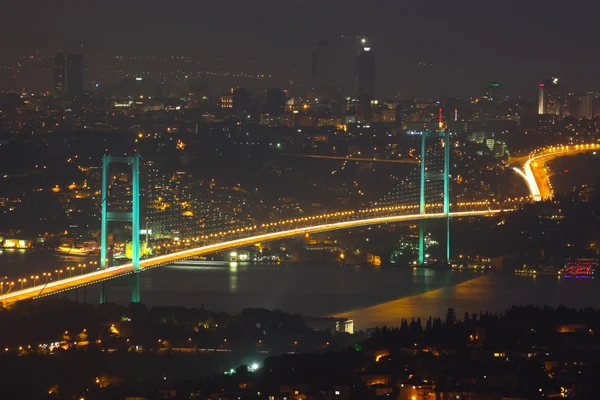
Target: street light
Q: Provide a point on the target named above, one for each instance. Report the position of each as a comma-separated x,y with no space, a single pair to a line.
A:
58,272
47,275
22,281
35,278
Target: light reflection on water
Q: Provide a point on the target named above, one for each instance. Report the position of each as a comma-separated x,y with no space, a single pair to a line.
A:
490,292
372,296
233,278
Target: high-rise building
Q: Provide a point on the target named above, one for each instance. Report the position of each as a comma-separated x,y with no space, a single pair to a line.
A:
68,75
581,105
275,101
552,97
59,75
404,110
365,68
321,69
241,101
492,92
365,110
74,65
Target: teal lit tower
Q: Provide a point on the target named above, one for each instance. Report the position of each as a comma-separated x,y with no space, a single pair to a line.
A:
122,216
430,176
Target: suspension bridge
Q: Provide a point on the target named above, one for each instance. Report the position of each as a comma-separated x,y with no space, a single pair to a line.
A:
423,196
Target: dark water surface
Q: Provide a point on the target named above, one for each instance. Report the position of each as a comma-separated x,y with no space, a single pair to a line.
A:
371,296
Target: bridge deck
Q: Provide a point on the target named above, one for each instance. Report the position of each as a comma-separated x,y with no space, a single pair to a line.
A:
113,272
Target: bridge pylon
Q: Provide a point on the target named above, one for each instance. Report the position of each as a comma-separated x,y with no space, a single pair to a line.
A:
122,216
426,176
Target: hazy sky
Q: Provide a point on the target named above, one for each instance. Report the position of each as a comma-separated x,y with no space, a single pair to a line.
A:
461,43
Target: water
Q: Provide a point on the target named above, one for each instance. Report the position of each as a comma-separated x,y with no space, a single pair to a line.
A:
371,296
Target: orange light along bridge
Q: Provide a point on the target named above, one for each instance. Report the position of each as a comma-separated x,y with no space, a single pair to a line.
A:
433,178
99,276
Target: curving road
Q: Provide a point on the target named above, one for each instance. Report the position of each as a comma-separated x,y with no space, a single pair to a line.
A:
537,175
102,275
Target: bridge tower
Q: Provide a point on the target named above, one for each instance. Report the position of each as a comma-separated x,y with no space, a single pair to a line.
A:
122,216
431,176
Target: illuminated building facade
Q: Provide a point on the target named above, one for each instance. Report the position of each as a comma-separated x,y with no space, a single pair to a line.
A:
227,101
551,97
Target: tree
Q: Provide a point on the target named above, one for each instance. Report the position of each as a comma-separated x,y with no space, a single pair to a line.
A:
450,317
428,325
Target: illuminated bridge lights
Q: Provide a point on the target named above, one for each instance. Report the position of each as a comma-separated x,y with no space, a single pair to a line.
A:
538,155
97,276
266,227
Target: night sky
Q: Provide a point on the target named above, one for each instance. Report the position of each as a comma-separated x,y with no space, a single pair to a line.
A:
423,48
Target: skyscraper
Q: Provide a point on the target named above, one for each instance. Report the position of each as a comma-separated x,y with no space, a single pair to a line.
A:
74,66
488,108
581,105
241,101
365,68
59,75
68,75
275,101
552,97
492,92
321,67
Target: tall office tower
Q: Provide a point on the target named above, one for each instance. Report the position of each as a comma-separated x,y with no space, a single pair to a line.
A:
552,97
321,69
275,101
365,68
241,101
365,110
74,81
404,110
59,75
68,75
581,105
492,92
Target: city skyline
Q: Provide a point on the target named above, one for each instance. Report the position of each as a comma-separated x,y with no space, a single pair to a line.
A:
298,200
466,49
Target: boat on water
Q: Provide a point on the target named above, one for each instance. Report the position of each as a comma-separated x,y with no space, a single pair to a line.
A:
582,268
470,265
431,265
78,251
538,270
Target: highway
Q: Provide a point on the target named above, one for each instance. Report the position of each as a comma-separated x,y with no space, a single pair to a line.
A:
537,175
113,272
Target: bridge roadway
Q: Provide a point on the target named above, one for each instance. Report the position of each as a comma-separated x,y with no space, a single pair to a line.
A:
364,159
62,285
535,173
